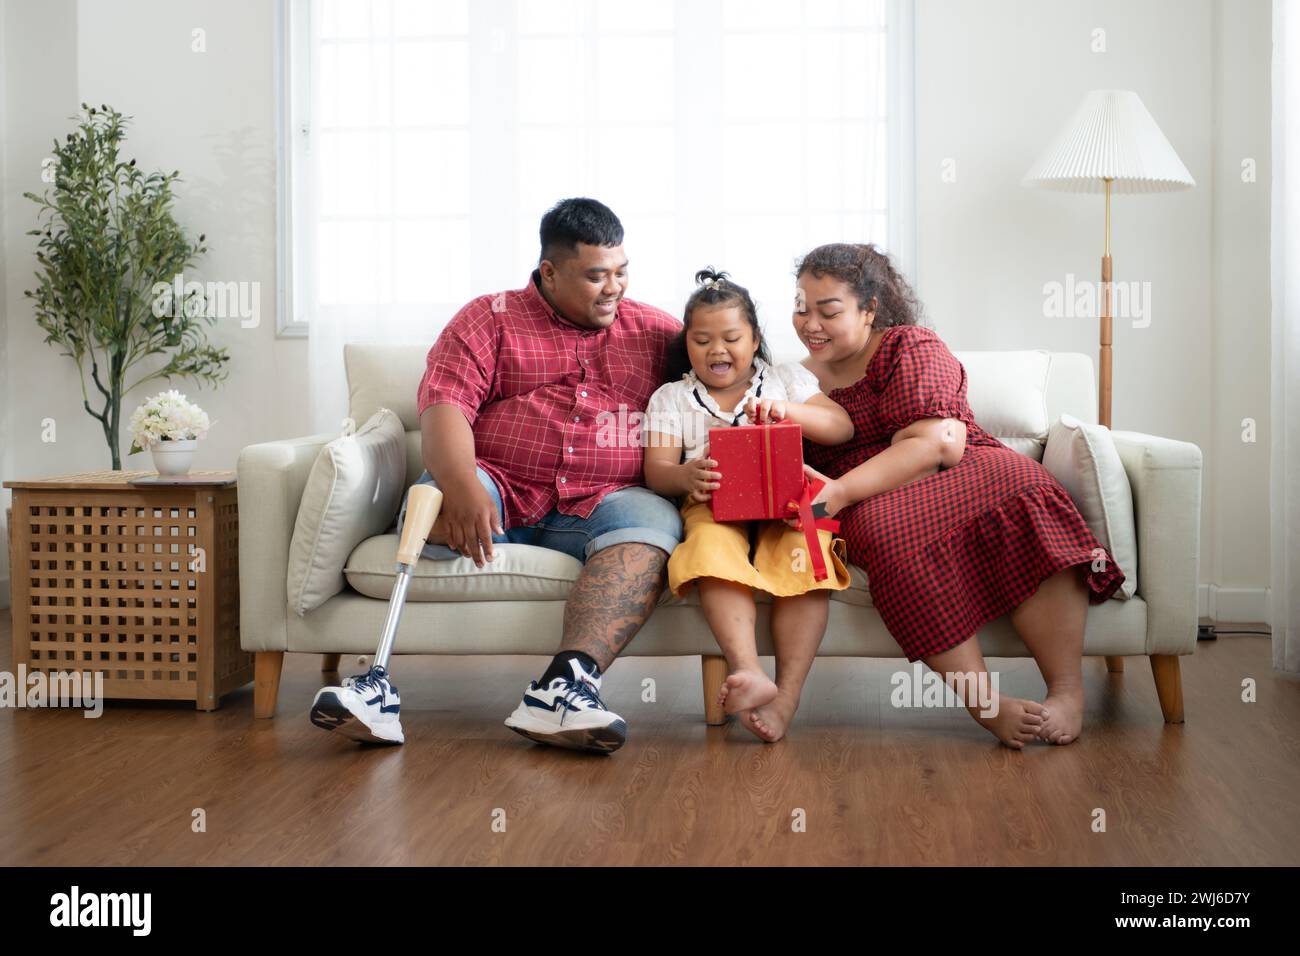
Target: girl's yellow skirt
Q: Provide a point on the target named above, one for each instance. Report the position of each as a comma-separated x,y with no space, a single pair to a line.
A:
778,562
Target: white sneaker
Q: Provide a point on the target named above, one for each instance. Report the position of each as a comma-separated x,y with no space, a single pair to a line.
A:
365,707
568,712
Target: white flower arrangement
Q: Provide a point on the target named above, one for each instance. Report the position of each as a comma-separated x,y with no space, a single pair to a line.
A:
167,416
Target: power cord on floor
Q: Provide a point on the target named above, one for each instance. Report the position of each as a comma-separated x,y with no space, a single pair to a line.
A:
1210,632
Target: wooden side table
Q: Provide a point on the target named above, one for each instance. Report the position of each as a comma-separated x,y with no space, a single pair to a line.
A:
138,582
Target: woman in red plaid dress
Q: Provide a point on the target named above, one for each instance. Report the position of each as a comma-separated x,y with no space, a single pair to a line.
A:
952,527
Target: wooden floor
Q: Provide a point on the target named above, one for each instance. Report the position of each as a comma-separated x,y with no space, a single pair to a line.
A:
876,785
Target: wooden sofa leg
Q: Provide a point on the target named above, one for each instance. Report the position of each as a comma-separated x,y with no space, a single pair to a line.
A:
714,669
1115,665
329,663
266,681
1169,686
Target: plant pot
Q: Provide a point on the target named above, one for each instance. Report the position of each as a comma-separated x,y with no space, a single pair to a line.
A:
173,457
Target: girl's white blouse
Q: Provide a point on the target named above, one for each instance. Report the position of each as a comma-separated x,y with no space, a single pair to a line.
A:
684,409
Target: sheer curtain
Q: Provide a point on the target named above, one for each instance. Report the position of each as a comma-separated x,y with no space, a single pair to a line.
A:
427,138
1285,590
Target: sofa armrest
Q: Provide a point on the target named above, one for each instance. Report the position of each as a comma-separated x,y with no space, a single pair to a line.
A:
1165,476
272,476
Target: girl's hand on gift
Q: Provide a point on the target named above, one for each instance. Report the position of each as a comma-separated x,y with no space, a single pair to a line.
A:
831,494
765,410
701,479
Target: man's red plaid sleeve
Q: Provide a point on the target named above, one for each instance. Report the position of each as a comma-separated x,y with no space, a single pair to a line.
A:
461,367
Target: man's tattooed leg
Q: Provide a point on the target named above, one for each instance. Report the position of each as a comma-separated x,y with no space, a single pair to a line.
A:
611,599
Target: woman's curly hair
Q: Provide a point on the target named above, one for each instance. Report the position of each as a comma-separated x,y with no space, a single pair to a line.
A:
869,273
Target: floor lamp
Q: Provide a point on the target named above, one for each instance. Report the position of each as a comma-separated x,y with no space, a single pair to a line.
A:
1111,144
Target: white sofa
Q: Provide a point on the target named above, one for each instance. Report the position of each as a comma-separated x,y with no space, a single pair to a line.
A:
515,605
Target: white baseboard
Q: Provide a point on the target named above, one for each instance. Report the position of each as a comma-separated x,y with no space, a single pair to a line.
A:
1233,605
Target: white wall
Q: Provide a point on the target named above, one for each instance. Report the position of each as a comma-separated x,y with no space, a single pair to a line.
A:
210,115
39,42
6,460
1238,484
995,80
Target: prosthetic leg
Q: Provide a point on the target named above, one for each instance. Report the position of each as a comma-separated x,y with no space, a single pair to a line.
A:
367,707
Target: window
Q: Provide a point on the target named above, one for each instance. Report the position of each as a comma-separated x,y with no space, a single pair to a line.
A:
423,141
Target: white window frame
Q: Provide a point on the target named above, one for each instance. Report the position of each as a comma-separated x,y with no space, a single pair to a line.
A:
289,119
292,110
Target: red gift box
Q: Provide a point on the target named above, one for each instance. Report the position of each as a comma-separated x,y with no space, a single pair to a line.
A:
762,470
762,473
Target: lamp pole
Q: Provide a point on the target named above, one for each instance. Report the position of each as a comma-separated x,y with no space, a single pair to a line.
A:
1104,388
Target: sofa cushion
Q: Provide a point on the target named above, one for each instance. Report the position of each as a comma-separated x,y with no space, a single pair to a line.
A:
385,376
520,572
856,593
353,491
1007,392
1031,447
1083,458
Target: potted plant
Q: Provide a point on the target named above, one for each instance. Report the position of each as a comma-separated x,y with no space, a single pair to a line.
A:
107,239
169,425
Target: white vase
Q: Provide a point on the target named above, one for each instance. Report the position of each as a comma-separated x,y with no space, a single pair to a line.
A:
173,457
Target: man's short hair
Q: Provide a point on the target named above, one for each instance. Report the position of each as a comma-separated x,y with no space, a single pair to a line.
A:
571,221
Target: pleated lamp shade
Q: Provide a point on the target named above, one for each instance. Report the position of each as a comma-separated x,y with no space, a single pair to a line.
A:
1110,136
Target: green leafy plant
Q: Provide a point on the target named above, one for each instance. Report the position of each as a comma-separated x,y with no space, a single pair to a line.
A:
108,245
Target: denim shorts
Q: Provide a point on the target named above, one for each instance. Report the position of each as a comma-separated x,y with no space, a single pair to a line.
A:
628,515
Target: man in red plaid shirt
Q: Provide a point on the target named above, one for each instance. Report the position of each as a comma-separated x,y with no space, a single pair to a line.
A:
516,408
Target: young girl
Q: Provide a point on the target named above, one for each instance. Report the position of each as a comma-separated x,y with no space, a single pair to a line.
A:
726,378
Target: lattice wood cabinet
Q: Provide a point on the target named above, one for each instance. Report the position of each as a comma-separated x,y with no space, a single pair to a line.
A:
138,582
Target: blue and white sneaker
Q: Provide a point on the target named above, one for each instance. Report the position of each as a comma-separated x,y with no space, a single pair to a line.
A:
365,708
568,712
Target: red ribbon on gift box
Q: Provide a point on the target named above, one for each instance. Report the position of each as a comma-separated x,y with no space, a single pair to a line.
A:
811,526
767,481
765,470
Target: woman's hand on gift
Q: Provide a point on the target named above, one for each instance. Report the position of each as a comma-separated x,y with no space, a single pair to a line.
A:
764,411
831,494
701,479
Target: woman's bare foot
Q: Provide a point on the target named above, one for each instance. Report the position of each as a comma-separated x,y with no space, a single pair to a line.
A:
745,690
1062,714
771,720
1016,723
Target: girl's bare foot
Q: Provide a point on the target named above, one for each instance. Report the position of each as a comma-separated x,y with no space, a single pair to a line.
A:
1016,723
771,720
742,718
745,690
1062,714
